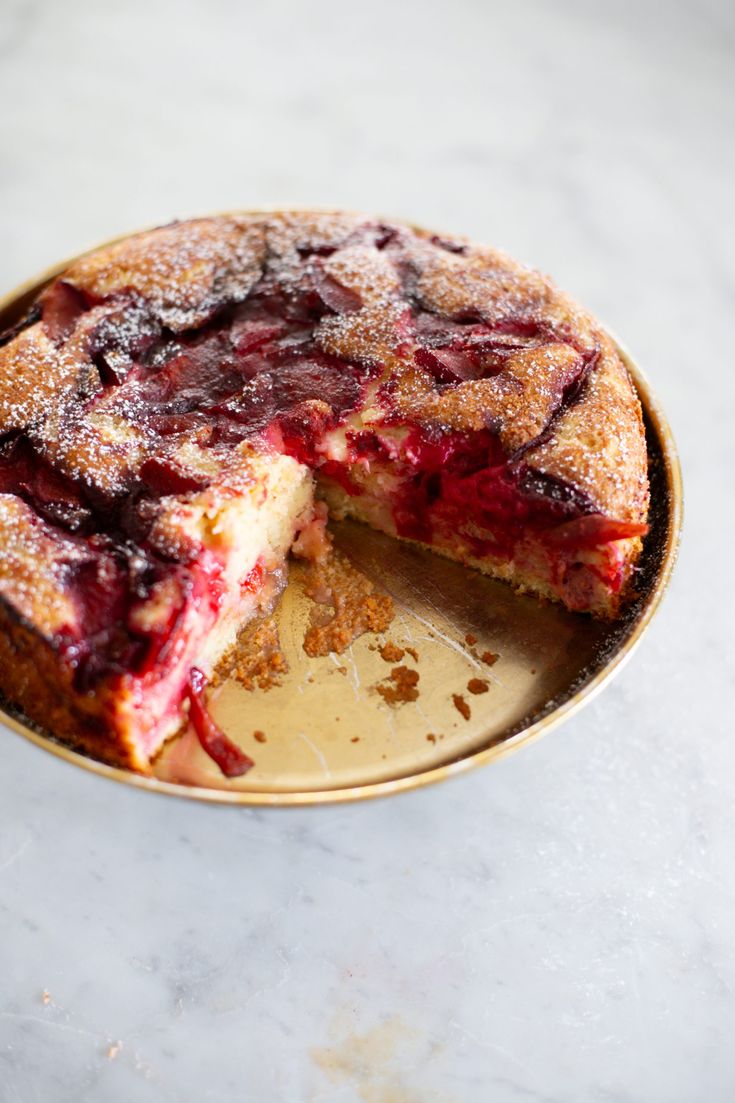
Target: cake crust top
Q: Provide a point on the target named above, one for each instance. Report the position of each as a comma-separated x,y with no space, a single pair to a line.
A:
466,336
455,337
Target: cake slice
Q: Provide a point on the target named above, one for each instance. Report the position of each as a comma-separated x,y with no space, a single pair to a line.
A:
175,405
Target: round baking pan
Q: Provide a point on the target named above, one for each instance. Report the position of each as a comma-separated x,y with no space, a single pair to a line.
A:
326,734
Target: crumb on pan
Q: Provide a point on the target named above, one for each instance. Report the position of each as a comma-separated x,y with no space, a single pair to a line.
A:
478,685
461,705
256,660
400,686
391,652
350,606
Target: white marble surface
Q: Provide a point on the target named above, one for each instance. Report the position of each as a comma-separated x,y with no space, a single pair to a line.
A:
558,927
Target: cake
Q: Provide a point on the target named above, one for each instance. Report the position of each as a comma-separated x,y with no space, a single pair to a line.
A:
175,407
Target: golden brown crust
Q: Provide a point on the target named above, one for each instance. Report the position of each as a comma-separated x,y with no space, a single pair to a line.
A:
35,374
184,270
517,404
34,681
598,445
31,568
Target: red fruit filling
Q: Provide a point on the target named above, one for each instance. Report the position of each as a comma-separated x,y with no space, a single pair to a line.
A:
62,306
231,760
454,485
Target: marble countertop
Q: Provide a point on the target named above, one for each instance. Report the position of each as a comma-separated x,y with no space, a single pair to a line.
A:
552,929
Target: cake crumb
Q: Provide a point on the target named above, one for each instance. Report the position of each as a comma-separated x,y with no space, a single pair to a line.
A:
461,705
355,739
400,686
259,737
489,658
356,607
256,660
413,653
470,639
45,997
478,685
391,652
113,1050
431,738
342,670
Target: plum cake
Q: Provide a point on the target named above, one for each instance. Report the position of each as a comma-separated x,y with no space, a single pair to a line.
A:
176,407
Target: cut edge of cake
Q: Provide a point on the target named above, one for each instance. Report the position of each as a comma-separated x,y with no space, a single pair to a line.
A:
238,574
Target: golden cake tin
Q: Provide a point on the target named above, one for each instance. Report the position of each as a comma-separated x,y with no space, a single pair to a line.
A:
329,734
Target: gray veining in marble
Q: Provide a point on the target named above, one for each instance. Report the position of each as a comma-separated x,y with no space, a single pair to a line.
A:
557,928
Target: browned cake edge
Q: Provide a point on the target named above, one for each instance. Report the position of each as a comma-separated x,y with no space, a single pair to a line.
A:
34,681
601,601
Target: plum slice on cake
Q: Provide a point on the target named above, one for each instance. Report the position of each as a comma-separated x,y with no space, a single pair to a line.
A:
175,406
